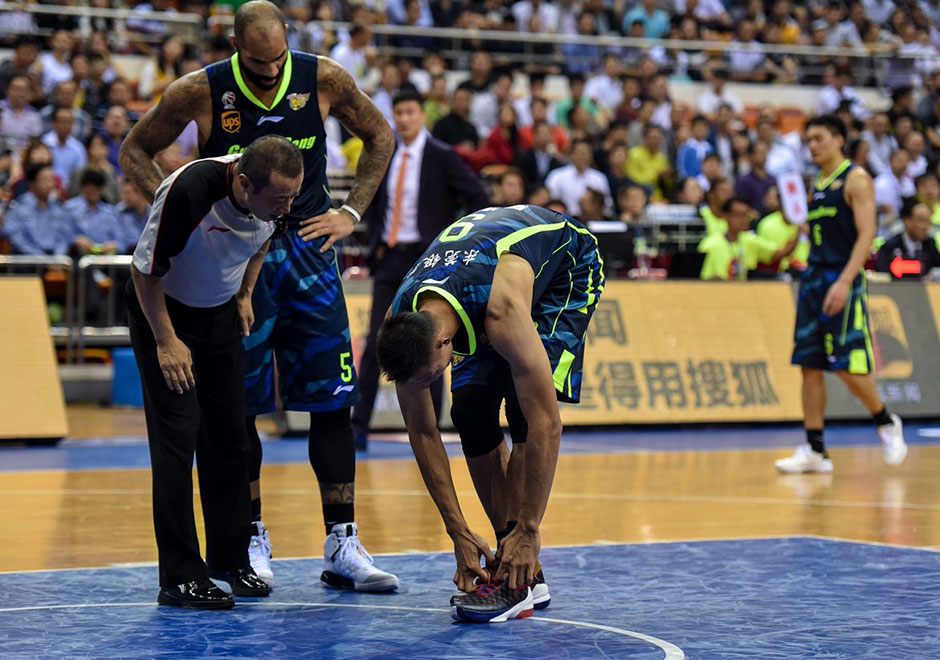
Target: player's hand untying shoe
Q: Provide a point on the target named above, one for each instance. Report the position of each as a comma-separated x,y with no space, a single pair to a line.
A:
468,548
519,556
335,224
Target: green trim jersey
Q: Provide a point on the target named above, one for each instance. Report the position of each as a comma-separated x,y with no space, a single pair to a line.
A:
239,118
460,264
832,231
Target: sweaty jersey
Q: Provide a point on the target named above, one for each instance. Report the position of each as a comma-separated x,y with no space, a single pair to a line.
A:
459,265
239,118
832,231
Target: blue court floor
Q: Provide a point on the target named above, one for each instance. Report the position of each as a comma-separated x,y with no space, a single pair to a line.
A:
769,598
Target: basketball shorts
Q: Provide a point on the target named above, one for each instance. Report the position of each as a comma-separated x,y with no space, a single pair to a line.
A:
302,323
561,315
833,343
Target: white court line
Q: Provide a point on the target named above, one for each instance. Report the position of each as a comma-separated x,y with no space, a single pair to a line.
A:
671,651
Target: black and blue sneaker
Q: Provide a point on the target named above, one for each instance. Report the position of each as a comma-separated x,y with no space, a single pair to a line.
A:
494,602
541,598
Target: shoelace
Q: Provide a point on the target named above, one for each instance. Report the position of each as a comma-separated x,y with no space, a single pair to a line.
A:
261,543
352,546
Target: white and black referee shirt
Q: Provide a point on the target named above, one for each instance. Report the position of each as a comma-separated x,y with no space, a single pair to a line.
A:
198,239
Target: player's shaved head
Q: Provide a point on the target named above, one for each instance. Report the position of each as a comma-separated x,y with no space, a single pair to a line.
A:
260,15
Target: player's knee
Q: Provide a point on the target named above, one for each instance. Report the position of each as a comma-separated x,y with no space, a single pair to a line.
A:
478,435
330,447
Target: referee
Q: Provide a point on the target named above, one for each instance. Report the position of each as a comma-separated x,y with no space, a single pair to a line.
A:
189,304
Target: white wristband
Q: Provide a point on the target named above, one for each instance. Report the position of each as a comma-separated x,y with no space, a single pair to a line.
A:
351,211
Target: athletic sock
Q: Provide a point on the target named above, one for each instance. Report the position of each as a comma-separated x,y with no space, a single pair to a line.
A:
337,514
882,418
256,510
815,439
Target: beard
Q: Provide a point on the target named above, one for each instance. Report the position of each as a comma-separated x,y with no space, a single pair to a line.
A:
261,81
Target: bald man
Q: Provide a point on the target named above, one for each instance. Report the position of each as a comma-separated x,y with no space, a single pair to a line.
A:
298,303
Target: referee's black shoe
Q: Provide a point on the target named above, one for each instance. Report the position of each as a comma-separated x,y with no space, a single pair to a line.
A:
244,582
199,594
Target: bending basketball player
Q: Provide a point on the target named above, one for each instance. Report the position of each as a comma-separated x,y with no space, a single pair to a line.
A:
506,295
832,312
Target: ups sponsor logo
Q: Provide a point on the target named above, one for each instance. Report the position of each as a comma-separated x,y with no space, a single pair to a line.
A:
231,121
892,352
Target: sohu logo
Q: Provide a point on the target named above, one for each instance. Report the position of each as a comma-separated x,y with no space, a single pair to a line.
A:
297,101
231,121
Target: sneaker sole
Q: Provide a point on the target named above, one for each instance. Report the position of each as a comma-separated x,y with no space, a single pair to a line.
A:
541,598
520,610
896,460
333,580
821,470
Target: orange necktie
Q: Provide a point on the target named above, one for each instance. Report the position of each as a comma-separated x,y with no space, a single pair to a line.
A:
399,193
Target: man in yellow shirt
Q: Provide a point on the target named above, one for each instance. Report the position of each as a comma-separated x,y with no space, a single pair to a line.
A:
731,255
646,164
778,230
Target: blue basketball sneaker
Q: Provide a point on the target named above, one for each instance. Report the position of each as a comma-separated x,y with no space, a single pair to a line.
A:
494,602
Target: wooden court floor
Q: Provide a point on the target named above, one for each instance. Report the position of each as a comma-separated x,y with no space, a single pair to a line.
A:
86,518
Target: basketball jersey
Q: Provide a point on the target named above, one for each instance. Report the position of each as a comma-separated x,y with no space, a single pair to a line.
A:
459,265
239,118
832,231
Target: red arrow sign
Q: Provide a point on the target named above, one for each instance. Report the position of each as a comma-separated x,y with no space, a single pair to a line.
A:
901,267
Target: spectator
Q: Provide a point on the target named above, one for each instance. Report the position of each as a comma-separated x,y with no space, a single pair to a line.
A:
398,13
481,68
158,72
916,146
927,186
913,243
782,68
632,200
902,103
637,128
148,26
579,57
97,150
416,12
36,223
592,207
731,254
690,192
388,87
524,103
68,154
693,151
711,172
746,62
437,102
778,231
879,11
838,91
19,121
568,183
840,32
351,54
711,212
65,96
114,128
646,163
484,110
54,65
628,107
557,206
539,197
859,153
615,168
96,222
655,21
25,50
132,213
118,94
509,189
711,99
606,89
540,114
720,138
502,145
712,12
893,187
881,143
100,50
754,185
539,161
455,128
546,12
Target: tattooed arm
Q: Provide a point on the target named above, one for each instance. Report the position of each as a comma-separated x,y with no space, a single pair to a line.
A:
186,99
359,115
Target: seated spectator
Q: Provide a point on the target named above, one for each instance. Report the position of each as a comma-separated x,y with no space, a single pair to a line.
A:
68,154
538,110
65,96
36,223
777,230
646,164
539,161
731,254
711,172
481,72
580,57
388,87
132,213
689,192
158,72
503,142
509,189
893,187
568,183
580,126
914,243
539,196
655,21
19,121
916,146
592,207
523,10
927,186
606,89
118,93
755,184
455,128
25,50
35,153
557,206
632,200
576,98
616,166
746,62
53,66
113,130
351,54
711,212
484,110
95,222
436,103
97,150
721,137
147,26
859,153
838,91
693,151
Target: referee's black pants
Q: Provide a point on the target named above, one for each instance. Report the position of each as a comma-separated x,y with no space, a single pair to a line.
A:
173,420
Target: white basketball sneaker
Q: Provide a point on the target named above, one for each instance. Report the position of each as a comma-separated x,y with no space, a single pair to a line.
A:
259,553
804,460
892,441
347,565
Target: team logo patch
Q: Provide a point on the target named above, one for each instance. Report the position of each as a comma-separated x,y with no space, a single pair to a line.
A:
297,101
836,185
231,121
228,100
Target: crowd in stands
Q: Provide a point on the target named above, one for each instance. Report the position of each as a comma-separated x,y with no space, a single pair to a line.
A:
610,147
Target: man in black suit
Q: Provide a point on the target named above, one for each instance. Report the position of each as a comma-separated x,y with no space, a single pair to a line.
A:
425,185
537,162
455,128
914,243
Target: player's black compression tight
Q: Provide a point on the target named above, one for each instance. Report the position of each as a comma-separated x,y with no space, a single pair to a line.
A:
475,413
